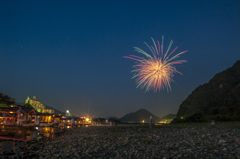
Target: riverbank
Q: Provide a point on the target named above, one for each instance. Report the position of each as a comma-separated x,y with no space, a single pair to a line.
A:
15,141
168,141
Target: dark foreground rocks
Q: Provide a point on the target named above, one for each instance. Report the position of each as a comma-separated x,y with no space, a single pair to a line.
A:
141,142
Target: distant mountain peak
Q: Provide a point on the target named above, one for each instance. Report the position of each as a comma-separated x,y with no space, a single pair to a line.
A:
139,116
169,116
142,110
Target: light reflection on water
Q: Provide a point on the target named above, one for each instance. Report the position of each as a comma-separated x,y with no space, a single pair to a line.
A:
23,134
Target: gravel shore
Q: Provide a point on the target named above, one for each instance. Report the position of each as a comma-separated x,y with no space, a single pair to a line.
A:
141,142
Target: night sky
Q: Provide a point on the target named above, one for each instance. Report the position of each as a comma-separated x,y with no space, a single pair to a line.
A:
70,53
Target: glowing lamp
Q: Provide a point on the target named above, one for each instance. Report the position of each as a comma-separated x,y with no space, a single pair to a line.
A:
87,119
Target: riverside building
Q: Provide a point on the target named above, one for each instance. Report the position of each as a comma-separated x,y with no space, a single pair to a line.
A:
46,115
38,106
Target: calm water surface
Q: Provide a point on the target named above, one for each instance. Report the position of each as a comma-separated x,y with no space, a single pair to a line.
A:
12,147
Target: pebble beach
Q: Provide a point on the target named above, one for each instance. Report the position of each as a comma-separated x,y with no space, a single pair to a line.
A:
169,141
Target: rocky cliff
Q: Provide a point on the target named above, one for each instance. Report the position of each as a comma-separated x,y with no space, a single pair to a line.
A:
218,99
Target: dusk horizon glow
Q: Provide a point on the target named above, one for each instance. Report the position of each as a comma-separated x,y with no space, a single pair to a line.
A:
70,53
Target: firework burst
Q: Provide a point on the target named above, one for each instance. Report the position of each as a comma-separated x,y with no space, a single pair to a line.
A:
156,71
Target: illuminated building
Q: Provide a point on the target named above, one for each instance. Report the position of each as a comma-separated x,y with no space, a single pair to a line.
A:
67,114
10,113
38,106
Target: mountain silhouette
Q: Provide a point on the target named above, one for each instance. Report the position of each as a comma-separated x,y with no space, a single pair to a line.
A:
219,99
139,116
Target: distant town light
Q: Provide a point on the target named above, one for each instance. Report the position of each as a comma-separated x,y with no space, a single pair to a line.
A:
143,121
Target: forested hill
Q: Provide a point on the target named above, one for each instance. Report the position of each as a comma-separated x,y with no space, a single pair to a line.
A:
6,101
219,99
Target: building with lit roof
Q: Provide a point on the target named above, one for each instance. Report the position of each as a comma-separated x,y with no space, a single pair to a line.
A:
38,106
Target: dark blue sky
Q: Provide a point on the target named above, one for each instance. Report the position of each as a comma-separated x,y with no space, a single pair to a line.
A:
70,53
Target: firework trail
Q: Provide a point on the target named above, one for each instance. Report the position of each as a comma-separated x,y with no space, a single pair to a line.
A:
156,71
